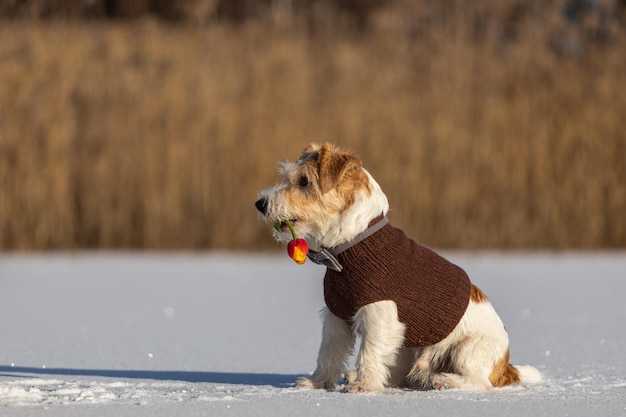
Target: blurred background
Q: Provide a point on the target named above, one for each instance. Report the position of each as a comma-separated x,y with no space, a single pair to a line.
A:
153,124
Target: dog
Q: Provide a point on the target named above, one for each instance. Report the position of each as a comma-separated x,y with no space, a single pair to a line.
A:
422,323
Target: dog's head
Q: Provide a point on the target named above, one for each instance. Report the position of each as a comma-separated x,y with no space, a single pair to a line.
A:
326,194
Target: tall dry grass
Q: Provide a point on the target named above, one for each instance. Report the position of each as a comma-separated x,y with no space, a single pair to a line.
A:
500,134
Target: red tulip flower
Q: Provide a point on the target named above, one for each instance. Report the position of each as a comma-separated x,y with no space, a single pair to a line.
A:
297,248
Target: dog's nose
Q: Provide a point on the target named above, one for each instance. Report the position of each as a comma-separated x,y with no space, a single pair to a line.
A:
261,205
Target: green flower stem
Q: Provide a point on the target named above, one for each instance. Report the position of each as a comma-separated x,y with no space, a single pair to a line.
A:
290,226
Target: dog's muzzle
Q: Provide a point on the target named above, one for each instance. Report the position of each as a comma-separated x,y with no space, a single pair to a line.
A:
261,205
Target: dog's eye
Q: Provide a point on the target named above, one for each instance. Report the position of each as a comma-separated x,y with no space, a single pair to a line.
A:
304,181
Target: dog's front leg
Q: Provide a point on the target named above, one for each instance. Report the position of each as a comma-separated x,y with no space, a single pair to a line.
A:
337,343
382,336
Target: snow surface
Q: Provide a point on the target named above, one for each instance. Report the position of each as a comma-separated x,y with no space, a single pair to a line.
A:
92,334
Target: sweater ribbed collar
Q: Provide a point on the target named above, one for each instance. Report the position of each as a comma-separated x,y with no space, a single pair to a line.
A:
328,256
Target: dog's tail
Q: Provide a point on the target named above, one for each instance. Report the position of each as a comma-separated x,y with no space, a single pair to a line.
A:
528,374
504,373
512,375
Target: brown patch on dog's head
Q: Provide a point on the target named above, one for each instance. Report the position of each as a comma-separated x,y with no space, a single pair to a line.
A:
336,169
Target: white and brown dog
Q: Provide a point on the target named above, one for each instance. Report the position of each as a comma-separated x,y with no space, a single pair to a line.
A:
421,321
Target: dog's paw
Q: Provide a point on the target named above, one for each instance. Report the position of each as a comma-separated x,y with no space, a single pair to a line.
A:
312,383
442,382
454,381
356,387
351,376
304,382
440,385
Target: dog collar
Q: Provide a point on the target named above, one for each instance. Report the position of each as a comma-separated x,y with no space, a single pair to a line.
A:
328,257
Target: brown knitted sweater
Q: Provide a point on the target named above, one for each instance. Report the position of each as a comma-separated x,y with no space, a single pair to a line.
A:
431,293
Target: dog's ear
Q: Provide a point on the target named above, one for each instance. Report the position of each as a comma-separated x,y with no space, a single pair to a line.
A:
309,152
341,169
310,148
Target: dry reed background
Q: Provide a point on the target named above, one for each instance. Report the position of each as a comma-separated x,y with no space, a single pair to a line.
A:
488,126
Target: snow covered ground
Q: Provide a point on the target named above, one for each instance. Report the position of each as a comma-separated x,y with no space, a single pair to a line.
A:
93,334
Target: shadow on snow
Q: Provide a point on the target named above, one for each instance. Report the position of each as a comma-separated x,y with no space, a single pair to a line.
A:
276,380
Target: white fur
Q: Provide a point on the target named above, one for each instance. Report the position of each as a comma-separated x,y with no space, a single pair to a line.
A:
337,343
468,354
529,374
478,341
356,219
